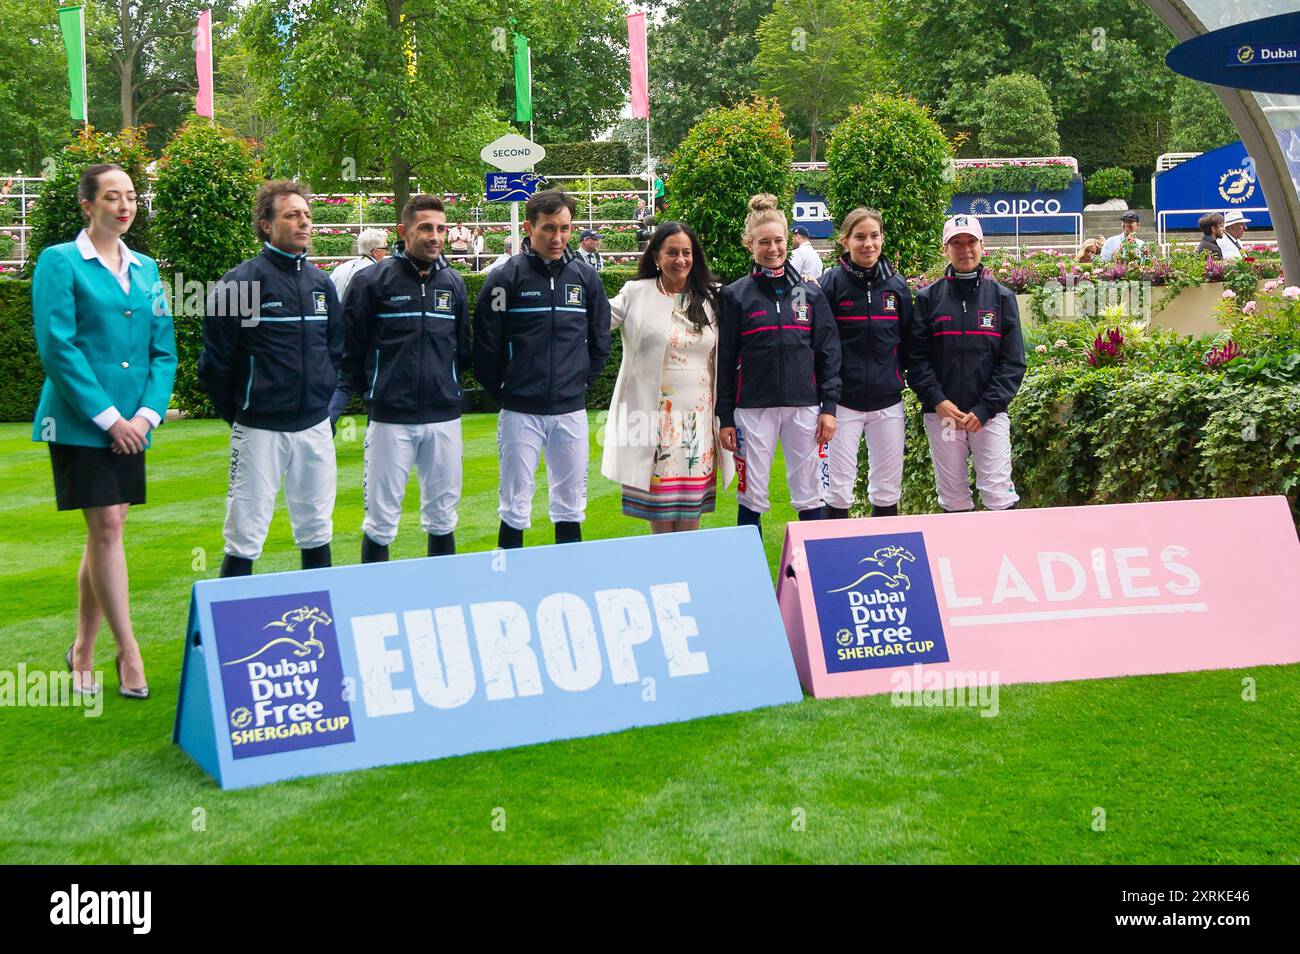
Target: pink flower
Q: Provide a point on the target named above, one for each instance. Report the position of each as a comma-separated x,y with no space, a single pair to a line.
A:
1229,293
1291,291
1271,285
1248,308
1041,349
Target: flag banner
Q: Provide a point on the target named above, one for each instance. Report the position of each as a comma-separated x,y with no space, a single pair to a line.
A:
203,64
636,54
72,21
523,80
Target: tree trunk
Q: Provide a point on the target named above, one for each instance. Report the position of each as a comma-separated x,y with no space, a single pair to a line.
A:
812,137
125,66
399,165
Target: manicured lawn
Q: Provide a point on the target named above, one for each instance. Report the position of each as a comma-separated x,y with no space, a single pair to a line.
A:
1184,769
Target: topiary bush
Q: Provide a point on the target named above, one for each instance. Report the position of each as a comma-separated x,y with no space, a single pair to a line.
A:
57,217
1017,119
207,177
890,154
1112,182
728,156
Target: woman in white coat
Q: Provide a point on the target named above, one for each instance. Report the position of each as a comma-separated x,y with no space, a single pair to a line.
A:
661,437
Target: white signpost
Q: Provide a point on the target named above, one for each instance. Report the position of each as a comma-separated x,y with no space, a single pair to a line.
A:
513,153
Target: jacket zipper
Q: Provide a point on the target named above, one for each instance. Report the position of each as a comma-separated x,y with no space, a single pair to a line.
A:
248,389
780,352
302,337
551,389
419,386
374,377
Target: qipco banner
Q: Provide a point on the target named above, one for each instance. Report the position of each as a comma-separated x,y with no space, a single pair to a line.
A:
315,671
875,605
1040,213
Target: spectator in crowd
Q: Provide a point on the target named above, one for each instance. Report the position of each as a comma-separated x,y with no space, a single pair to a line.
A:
589,249
502,258
477,246
372,246
641,210
1234,227
644,233
1211,225
1090,249
804,258
1127,238
660,201
459,239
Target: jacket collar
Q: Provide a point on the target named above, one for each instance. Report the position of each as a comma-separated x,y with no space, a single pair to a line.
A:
789,276
883,270
283,259
410,264
88,251
526,249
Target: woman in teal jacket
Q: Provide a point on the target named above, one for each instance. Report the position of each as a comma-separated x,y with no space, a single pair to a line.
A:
105,337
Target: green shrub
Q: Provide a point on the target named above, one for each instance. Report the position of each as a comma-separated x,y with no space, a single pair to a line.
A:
333,210
8,211
890,154
7,245
333,243
1112,182
615,208
1197,121
581,158
1017,119
21,374
57,217
210,169
1251,443
1014,179
728,156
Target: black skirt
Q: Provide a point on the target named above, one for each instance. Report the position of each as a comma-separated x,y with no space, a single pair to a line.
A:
95,476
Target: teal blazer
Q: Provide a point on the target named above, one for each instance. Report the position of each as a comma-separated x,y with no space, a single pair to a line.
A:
100,347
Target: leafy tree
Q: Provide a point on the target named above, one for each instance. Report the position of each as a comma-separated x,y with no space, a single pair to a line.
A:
1198,122
1018,119
732,153
34,118
890,154
701,55
810,58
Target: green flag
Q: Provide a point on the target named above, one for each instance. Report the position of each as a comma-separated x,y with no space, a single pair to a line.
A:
72,21
523,79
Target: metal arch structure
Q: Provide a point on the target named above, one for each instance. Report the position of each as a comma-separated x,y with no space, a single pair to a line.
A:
1256,133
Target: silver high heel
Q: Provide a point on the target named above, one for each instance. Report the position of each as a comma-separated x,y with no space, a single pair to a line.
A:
127,691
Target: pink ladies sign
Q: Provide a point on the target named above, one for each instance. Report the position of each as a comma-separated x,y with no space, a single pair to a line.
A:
1041,595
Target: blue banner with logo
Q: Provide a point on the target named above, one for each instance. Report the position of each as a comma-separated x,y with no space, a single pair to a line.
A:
1259,55
997,211
1220,180
315,671
810,211
511,186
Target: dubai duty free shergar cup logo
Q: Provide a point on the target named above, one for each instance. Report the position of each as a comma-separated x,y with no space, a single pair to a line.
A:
1236,186
1245,54
281,673
875,602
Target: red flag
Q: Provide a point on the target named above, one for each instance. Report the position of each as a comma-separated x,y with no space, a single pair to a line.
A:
203,64
637,61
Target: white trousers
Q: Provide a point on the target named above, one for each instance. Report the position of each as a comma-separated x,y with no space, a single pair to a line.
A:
391,450
884,433
259,459
757,431
521,438
989,447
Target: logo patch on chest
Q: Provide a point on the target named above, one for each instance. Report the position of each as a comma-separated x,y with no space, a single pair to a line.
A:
891,302
442,299
802,313
322,306
573,295
988,320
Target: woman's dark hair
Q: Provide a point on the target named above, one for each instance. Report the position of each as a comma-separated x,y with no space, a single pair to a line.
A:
701,286
88,184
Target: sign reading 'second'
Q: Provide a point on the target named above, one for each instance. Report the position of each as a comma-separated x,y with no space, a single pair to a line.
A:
325,670
512,153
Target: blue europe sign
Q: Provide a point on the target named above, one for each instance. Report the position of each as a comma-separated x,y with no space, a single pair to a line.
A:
997,211
1218,181
875,601
511,186
810,211
315,671
1258,55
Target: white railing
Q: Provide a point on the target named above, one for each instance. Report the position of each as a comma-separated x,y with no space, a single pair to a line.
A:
1030,161
1167,160
1075,217
1162,228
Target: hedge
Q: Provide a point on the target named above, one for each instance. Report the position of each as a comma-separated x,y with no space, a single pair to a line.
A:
985,179
580,158
20,368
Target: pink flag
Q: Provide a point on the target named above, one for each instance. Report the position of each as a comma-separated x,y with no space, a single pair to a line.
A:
203,64
637,60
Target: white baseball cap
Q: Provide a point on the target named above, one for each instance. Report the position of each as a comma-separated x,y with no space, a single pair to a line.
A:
1234,217
962,225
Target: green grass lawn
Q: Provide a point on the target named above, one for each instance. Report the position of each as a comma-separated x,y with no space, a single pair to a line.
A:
1184,769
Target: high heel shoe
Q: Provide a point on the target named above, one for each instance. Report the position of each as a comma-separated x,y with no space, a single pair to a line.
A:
127,691
78,690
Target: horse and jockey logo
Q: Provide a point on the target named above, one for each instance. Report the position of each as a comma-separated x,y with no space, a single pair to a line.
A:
305,617
881,560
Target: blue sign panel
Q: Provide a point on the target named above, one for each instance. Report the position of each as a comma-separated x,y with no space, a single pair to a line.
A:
875,601
1259,55
810,212
1219,181
512,186
291,674
997,210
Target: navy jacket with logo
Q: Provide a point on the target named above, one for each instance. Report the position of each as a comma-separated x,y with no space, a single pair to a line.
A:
777,346
966,348
276,368
874,318
541,332
406,339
